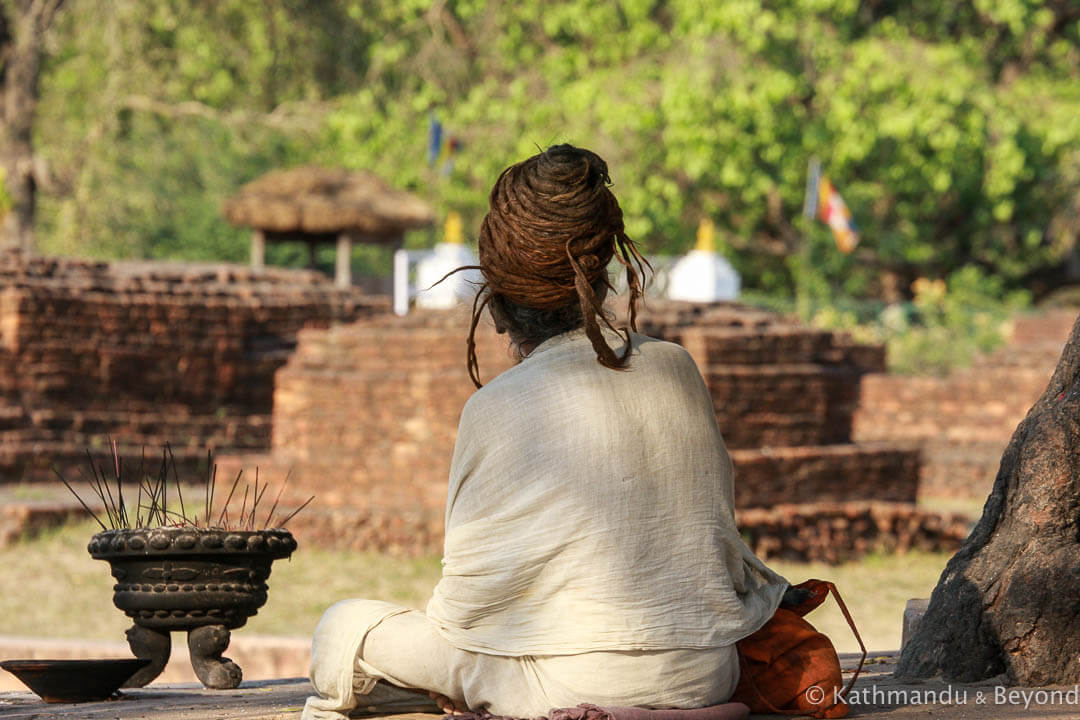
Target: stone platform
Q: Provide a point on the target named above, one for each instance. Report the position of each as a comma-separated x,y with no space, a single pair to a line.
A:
876,695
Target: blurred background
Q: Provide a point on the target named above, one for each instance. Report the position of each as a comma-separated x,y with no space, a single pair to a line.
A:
951,129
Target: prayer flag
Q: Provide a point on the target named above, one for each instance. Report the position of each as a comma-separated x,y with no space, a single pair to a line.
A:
834,212
441,146
824,202
446,155
435,140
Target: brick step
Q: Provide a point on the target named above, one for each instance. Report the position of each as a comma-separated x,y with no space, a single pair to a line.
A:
182,426
24,440
659,313
960,470
971,410
754,430
839,532
943,450
972,480
783,405
959,390
359,347
810,532
33,455
776,345
832,473
20,520
343,477
12,417
1038,355
813,532
1046,326
909,427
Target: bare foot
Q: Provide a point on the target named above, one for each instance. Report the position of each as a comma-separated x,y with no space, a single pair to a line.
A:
445,704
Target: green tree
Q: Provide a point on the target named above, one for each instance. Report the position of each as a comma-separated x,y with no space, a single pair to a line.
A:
952,129
952,133
151,119
23,27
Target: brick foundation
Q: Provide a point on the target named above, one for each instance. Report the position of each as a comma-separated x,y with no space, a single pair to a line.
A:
365,417
147,352
291,375
838,532
961,423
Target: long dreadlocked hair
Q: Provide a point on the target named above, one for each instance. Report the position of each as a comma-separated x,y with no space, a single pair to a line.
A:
552,228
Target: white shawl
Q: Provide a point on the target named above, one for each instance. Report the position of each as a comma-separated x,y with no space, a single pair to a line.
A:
591,509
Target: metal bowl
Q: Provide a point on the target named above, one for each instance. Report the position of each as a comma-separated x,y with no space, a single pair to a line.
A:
72,681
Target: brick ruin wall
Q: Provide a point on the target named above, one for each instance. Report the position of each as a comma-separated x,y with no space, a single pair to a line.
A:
365,417
146,352
962,422
365,404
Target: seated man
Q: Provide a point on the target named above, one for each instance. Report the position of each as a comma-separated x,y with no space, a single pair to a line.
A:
591,552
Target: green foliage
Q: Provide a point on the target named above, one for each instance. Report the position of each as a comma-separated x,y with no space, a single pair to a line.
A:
712,109
949,323
945,326
951,129
150,131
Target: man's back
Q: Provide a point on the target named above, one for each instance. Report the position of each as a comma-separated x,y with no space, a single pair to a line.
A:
590,509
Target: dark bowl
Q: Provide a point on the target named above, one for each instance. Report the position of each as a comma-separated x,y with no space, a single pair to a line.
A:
71,681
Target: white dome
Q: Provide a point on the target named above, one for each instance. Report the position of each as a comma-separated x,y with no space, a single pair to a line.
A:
458,288
703,276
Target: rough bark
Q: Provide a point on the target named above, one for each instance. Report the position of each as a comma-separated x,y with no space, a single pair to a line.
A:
1008,601
22,28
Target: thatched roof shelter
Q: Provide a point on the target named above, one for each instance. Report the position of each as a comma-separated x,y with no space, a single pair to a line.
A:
316,205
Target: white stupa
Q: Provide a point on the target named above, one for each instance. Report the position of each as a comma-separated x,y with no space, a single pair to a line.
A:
451,253
702,275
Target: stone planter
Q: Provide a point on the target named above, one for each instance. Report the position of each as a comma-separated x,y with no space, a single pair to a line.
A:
204,582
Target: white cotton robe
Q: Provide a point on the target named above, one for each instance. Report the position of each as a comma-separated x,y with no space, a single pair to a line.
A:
589,512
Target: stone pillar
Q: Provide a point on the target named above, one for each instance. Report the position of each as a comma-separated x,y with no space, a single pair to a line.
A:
343,261
258,250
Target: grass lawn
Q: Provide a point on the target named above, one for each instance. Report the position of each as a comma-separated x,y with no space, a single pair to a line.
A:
51,587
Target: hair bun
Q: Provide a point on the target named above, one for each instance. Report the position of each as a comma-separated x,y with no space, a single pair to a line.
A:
551,230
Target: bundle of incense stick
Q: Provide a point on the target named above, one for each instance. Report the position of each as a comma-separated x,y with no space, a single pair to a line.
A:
152,507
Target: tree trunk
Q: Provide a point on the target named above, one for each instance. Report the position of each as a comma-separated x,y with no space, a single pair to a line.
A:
24,25
1009,600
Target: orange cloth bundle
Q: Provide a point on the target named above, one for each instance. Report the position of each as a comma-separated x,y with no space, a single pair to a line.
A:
789,668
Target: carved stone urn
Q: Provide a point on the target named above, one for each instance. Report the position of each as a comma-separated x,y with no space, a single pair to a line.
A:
202,581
